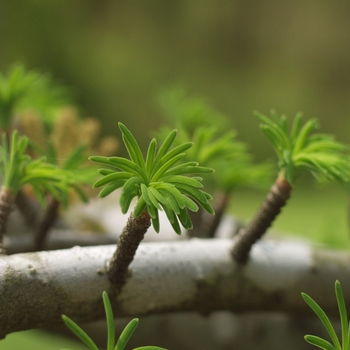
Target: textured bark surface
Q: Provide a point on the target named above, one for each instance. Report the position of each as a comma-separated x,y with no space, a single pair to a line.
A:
6,205
128,242
271,207
48,220
197,275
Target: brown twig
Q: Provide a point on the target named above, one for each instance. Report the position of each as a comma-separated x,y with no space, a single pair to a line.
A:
197,222
128,242
49,218
7,200
271,207
221,202
27,208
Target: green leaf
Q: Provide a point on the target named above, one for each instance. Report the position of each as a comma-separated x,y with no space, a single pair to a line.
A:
155,222
176,179
79,332
126,334
324,145
343,314
153,198
132,185
274,140
129,166
22,145
159,197
282,121
152,211
172,155
289,166
165,146
185,219
102,160
178,196
274,131
165,167
145,194
140,207
196,194
169,213
120,163
125,201
183,166
132,146
151,153
172,219
80,193
75,158
112,177
150,347
323,317
174,152
105,171
296,127
319,342
301,139
190,204
110,321
170,201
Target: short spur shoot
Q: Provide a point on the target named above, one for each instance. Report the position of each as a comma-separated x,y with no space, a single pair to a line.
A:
158,184
297,150
18,169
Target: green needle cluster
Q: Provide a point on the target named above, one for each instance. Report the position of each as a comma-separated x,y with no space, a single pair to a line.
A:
123,338
345,330
21,89
18,169
298,149
74,165
156,181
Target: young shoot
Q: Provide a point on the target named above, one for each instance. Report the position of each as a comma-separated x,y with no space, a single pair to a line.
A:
74,165
158,184
18,169
297,150
344,344
22,89
111,345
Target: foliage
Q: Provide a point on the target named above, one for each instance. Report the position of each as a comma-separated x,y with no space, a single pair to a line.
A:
298,149
74,165
18,169
189,112
322,343
123,338
158,184
214,146
22,89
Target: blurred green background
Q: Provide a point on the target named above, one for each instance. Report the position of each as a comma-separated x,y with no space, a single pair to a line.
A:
239,55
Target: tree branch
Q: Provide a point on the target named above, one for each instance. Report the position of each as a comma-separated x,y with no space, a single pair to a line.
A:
196,275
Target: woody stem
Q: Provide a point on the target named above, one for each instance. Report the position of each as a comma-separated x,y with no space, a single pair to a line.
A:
49,217
269,210
7,200
129,240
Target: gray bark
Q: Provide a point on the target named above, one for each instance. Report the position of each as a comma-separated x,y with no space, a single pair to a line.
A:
196,275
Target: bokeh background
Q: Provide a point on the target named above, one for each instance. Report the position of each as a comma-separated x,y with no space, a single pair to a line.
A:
240,56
